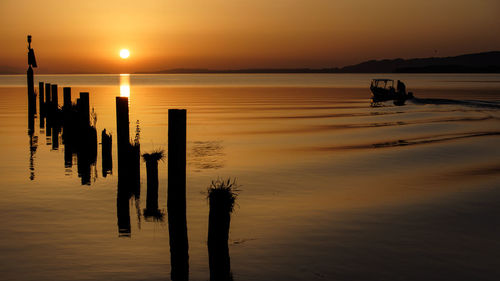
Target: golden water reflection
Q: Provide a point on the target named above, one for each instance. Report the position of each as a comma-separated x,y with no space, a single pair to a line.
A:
125,85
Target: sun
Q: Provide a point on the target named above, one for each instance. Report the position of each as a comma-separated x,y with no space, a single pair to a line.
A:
124,53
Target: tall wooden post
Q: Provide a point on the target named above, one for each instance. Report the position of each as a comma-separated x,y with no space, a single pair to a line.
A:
124,184
67,98
176,197
31,92
47,104
123,133
84,109
41,97
29,74
54,100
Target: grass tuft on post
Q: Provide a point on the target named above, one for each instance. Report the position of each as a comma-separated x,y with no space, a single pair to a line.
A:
223,192
155,156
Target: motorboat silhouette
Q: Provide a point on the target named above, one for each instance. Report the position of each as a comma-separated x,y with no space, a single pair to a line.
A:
383,90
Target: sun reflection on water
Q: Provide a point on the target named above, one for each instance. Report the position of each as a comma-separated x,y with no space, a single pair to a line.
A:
125,85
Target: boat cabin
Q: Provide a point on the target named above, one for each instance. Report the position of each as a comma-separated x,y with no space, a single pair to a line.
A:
382,83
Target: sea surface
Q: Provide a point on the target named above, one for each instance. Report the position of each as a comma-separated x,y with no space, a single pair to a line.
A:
331,186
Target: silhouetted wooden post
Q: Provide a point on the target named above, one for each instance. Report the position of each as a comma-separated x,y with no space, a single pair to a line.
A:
221,198
84,109
67,98
31,91
122,121
123,132
29,74
47,94
46,105
176,198
54,99
41,97
106,146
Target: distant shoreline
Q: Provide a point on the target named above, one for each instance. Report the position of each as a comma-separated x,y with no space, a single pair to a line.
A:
478,63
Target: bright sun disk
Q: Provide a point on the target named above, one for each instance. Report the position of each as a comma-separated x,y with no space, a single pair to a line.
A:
124,53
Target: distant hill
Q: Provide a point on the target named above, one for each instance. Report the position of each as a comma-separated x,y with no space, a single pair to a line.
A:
487,62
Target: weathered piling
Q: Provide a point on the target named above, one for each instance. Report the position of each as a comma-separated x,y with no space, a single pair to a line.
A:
135,164
48,131
53,106
176,194
221,196
41,98
30,83
123,135
84,109
29,76
151,160
47,94
31,92
67,98
46,105
106,149
54,97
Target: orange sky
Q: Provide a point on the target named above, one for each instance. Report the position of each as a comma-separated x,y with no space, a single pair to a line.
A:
86,36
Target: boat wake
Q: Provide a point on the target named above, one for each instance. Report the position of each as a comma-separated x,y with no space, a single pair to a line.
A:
472,103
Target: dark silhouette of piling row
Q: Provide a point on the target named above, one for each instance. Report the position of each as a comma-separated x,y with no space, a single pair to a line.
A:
79,137
221,196
106,149
176,194
128,167
151,160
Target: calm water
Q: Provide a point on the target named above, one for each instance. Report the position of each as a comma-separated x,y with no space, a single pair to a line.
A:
331,188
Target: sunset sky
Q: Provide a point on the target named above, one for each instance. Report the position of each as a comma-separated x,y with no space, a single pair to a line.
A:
86,36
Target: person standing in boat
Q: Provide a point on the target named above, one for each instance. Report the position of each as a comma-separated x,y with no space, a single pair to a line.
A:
401,88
